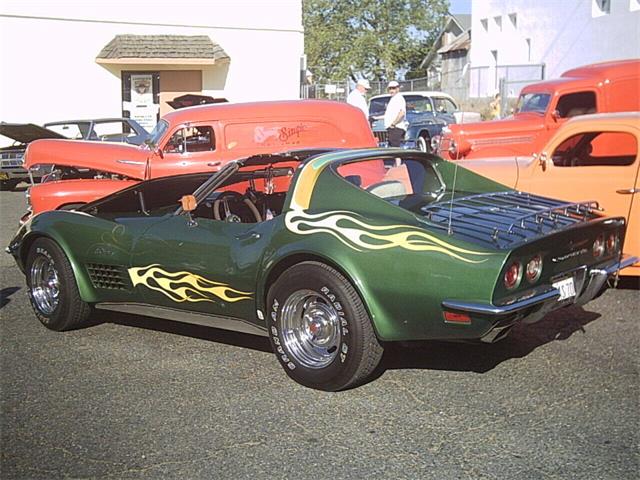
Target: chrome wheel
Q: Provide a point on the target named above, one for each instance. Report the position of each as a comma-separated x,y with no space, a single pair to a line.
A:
310,329
45,285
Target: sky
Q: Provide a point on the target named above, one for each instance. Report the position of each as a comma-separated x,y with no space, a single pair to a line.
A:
460,6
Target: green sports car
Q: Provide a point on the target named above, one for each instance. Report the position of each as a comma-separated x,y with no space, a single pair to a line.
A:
330,254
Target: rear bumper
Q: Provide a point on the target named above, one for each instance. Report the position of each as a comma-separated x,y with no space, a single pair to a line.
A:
589,284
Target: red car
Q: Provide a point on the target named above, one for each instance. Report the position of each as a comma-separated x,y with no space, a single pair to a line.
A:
194,139
543,107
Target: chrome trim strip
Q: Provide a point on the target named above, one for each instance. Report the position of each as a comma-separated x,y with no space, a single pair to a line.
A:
196,318
623,263
130,162
486,309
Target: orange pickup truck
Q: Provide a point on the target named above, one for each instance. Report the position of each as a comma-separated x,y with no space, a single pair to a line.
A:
189,140
543,107
591,157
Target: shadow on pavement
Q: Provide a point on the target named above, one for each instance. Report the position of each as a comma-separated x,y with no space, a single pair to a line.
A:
5,293
427,355
187,330
480,357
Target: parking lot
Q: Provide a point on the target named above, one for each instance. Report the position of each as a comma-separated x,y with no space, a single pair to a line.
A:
134,397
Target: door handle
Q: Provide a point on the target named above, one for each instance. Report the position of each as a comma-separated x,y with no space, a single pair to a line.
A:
628,191
248,236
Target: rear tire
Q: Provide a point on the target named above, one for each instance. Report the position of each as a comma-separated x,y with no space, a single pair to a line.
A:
52,288
424,143
320,330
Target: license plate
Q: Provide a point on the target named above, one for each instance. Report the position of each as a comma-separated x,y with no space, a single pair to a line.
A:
566,288
4,176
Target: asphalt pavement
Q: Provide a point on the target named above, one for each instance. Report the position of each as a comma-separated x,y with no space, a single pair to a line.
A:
134,397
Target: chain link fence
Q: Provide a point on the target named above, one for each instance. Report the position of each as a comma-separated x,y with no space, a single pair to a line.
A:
462,84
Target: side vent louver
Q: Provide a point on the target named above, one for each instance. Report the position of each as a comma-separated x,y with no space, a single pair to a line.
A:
108,276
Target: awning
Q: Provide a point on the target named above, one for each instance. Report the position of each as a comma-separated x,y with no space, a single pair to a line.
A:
162,50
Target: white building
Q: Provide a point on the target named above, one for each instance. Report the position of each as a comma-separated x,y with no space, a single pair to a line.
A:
558,35
89,59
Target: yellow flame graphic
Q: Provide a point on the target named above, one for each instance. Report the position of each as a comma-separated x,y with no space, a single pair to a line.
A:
359,235
184,286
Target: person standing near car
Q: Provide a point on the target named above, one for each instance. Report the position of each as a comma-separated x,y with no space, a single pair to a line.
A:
357,98
394,115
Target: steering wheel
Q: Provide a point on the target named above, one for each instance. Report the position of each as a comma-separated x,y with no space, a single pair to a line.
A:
233,207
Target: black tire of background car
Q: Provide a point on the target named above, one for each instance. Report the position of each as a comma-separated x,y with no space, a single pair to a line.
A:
8,185
424,143
364,349
71,312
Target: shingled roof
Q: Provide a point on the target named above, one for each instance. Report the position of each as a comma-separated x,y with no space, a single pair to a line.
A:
161,49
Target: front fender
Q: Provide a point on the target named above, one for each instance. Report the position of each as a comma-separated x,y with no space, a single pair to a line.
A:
41,227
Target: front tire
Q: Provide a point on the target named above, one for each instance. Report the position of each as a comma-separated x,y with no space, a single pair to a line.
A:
320,329
52,288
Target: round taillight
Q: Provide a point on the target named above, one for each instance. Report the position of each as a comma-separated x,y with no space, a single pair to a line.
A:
612,243
512,275
534,269
598,247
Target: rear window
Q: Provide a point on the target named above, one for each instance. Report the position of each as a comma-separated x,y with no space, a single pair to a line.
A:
403,182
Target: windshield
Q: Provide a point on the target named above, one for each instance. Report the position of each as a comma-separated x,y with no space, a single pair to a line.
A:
533,102
157,133
378,105
72,130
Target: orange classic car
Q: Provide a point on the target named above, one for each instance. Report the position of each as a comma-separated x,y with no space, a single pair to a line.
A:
189,140
593,156
545,106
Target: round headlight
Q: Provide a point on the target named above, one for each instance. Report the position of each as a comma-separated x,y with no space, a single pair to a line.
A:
512,275
598,246
534,269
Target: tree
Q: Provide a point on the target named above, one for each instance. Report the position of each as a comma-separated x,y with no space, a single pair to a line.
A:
371,38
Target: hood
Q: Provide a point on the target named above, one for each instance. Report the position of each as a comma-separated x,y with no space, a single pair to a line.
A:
115,158
526,122
26,132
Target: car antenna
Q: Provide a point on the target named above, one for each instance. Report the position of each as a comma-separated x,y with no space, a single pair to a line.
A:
453,190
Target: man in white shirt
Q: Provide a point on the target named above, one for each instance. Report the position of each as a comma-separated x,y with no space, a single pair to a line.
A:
394,116
357,98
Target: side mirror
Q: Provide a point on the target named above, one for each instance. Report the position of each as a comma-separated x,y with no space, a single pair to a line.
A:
188,203
555,115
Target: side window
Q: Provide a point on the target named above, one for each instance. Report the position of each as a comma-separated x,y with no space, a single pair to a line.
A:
114,131
191,139
596,149
579,103
444,105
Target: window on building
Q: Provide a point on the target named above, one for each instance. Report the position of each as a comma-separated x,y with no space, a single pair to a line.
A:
600,8
498,21
574,104
514,19
485,24
191,139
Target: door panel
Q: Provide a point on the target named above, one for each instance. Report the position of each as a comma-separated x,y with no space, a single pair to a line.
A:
207,266
603,168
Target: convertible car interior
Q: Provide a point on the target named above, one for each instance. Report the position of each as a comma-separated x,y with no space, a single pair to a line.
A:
257,192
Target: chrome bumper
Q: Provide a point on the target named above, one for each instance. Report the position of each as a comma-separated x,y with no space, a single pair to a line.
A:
529,310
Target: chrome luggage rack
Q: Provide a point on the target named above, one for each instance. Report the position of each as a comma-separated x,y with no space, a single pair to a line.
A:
506,218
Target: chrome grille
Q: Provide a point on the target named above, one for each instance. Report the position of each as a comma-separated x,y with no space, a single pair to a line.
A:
381,136
108,276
